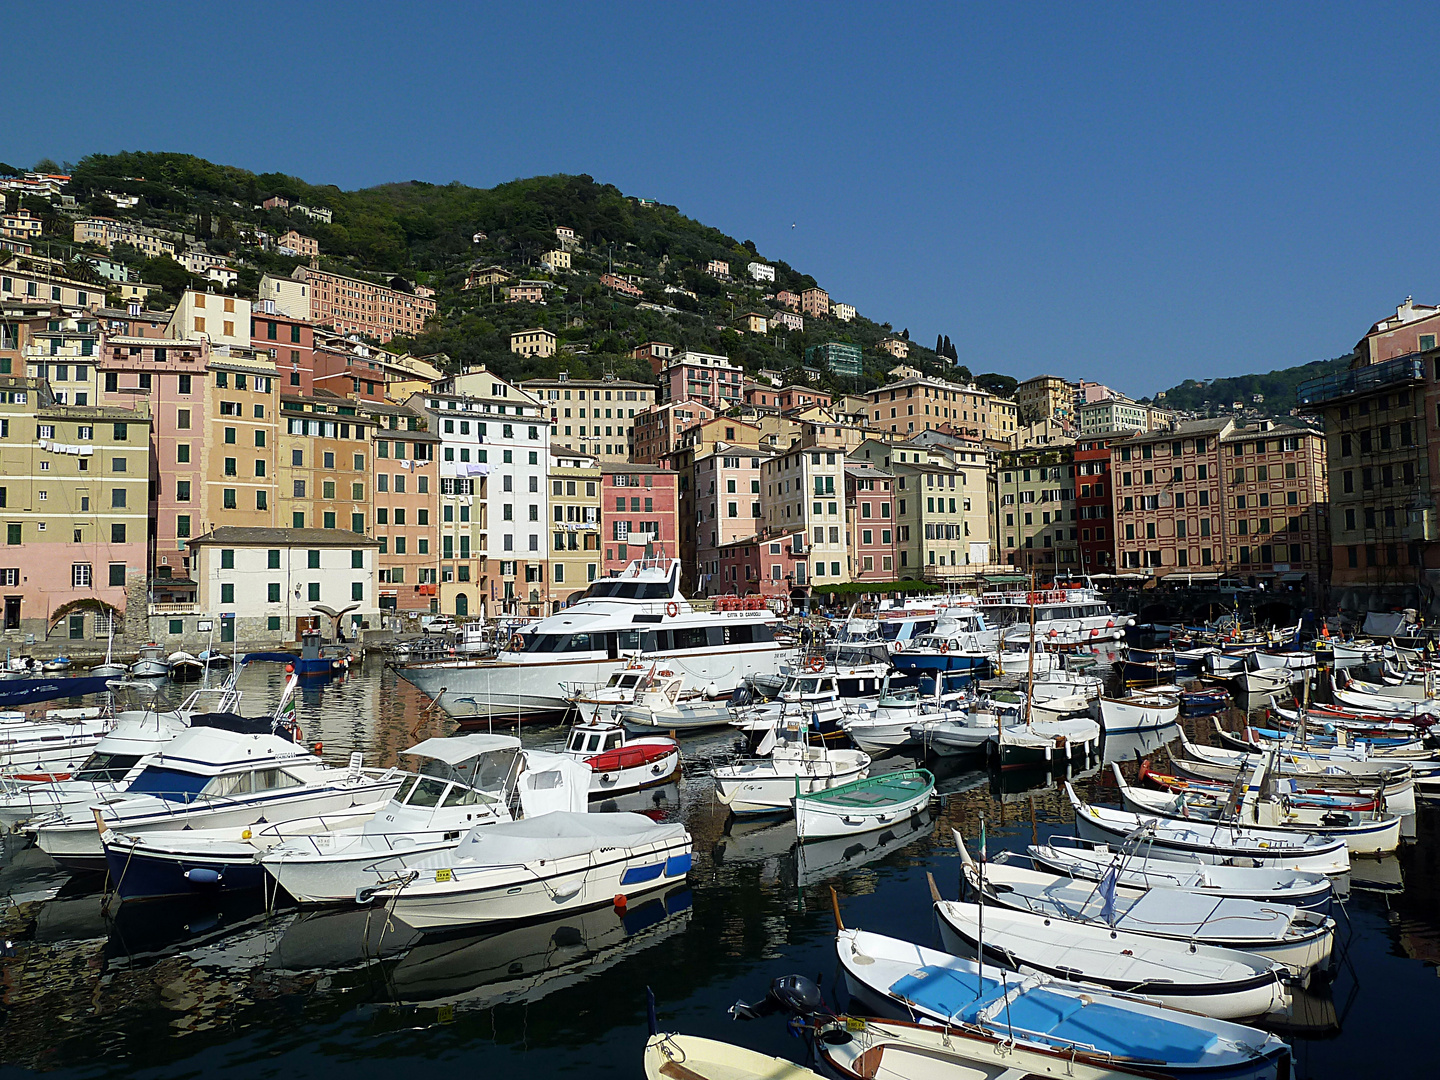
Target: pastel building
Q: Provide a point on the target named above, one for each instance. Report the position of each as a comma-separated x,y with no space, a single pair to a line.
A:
355,306
806,489
639,515
707,378
727,501
593,416
658,428
405,489
575,481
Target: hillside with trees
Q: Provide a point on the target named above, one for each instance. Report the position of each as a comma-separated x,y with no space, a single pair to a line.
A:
1277,388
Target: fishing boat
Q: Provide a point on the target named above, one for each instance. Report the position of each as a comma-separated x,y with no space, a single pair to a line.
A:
1301,940
812,701
463,781
1214,792
1203,700
639,612
669,1056
183,667
1394,782
1133,867
621,762
597,701
108,668
1219,983
536,866
1257,681
887,724
767,784
1225,843
1363,832
1139,712
151,663
896,976
861,806
1044,742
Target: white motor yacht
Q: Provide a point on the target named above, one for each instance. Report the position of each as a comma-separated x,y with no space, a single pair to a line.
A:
639,612
1063,615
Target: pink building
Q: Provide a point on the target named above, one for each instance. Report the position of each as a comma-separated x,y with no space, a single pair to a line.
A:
620,285
815,303
870,521
717,268
525,293
762,565
170,377
704,377
656,353
658,429
787,319
726,488
639,514
787,300
786,398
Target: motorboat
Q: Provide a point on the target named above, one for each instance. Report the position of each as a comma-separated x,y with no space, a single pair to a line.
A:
641,611
56,665
1043,742
887,724
1139,712
811,701
184,667
597,701
660,704
51,749
152,663
1134,867
621,762
108,668
861,806
894,976
968,730
485,776
1300,939
1225,843
537,866
1068,614
767,784
211,778
1257,681
1223,984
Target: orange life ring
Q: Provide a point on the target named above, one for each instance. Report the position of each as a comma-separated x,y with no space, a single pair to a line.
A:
899,646
1032,598
817,665
665,674
672,609
944,646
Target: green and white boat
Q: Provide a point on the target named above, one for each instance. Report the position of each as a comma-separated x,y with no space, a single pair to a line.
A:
862,806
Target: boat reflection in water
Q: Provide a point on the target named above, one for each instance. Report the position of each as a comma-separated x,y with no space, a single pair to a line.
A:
820,860
522,963
1123,746
660,803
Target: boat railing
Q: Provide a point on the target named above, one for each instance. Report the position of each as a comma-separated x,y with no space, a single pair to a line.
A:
177,802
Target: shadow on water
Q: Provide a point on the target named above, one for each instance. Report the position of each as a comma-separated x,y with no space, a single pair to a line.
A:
232,988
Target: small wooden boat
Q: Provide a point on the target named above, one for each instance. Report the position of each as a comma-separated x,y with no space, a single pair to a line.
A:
59,663
1043,742
1139,712
184,666
1090,861
1220,983
1193,702
1301,940
689,1057
1256,681
767,785
862,806
1212,792
151,663
1213,842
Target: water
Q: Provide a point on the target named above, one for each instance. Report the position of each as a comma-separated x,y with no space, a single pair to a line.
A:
227,989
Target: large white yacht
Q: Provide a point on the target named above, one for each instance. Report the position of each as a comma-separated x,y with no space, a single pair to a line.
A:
638,613
1064,614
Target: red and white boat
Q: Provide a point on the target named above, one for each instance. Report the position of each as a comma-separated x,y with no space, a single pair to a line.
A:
620,761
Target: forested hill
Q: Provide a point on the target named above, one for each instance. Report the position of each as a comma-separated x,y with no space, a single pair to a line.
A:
1276,387
433,235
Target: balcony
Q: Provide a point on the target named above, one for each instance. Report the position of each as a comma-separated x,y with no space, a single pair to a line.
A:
1313,395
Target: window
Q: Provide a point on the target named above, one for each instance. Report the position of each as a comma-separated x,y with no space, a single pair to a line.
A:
227,559
357,590
227,593
80,575
312,591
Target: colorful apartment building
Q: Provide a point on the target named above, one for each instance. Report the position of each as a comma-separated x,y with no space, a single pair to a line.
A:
942,511
656,353
289,341
60,345
536,341
724,485
238,445
1043,397
1035,493
324,466
870,521
593,416
785,398
575,482
814,303
1094,502
806,489
405,492
918,403
1112,414
707,378
43,285
107,232
639,514
658,429
73,500
354,306
223,321
769,566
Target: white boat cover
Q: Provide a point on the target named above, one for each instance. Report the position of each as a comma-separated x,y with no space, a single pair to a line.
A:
558,836
553,782
1386,623
458,748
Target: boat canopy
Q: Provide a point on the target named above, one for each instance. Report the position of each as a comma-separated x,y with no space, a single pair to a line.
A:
560,835
458,748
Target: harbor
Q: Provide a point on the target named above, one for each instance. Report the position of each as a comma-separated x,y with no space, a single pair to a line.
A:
221,973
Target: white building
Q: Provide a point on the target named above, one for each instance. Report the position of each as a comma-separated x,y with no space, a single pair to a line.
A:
760,271
806,488
223,320
1113,414
267,579
494,459
292,297
843,312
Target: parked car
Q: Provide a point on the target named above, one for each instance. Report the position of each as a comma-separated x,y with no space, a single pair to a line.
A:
441,624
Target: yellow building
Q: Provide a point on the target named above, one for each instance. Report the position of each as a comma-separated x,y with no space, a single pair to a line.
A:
323,471
574,524
237,453
559,260
533,343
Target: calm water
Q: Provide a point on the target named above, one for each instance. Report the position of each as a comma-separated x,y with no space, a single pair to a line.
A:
228,989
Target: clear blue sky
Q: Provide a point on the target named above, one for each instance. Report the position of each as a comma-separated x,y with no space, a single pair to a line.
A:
1137,194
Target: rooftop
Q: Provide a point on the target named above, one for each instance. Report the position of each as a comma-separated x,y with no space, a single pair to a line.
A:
247,536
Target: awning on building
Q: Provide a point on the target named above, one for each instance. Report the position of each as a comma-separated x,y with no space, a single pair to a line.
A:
1005,579
1294,575
1191,578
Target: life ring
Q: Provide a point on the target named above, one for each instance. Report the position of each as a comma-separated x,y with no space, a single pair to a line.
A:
665,674
899,646
817,664
1032,598
944,646
517,643
672,609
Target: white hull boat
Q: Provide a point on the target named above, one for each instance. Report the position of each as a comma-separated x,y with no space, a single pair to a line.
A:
769,784
537,867
51,749
1212,842
888,975
668,1056
1090,862
862,806
1139,712
1262,682
1219,983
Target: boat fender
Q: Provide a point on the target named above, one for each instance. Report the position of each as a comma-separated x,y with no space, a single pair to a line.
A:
319,748
607,778
203,875
620,901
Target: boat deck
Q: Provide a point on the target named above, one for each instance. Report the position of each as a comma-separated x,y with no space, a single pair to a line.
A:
876,791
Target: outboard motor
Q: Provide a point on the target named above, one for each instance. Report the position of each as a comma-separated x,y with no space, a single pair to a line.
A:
794,995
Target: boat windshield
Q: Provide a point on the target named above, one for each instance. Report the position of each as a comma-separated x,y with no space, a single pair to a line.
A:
624,680
557,643
900,699
174,785
616,589
106,768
